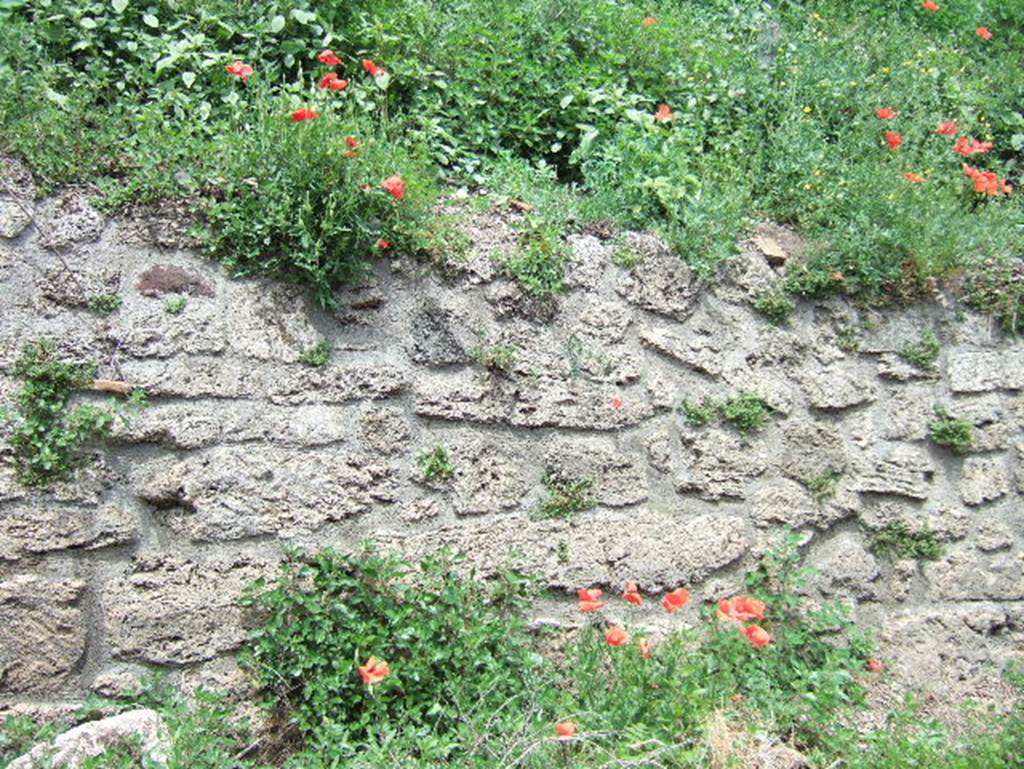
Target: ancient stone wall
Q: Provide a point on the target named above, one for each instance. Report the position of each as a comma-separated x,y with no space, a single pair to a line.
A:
245,450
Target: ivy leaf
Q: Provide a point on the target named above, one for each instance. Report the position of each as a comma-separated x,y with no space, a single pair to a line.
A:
87,22
119,5
188,78
150,20
276,24
301,16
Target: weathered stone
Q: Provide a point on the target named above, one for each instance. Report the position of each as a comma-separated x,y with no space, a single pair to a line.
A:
618,480
43,527
703,352
907,413
964,575
811,448
837,388
69,218
844,567
171,611
717,464
235,492
662,282
786,502
973,371
588,263
892,366
433,338
43,635
894,469
983,480
75,747
385,431
993,536
14,217
488,478
163,279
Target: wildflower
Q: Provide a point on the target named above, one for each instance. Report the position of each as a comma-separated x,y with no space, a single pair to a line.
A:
329,57
374,671
947,129
987,182
757,635
984,33
930,6
632,594
885,113
616,636
740,609
332,81
590,600
650,21
664,114
565,728
913,178
646,650
304,114
395,185
968,146
893,139
372,68
590,594
383,245
675,600
240,69
617,403
353,145
875,666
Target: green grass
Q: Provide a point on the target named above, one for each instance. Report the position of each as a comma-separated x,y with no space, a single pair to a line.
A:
317,356
956,434
923,353
436,464
900,541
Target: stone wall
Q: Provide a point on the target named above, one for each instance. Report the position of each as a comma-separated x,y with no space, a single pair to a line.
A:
245,450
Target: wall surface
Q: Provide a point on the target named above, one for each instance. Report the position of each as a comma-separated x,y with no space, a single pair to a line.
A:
245,449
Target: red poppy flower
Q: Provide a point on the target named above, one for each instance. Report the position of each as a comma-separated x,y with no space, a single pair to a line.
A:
968,146
913,178
675,600
565,729
947,129
372,68
893,139
646,651
590,594
383,245
395,185
875,666
616,636
984,33
329,58
740,609
304,114
352,142
757,635
374,671
885,113
240,69
632,594
930,6
987,182
332,81
588,607
650,21
664,114
617,403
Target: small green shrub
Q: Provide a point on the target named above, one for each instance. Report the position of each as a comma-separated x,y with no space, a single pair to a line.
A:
454,645
317,356
923,353
957,434
899,540
747,412
538,262
496,357
996,287
565,497
699,414
775,305
47,435
176,305
105,304
436,464
824,485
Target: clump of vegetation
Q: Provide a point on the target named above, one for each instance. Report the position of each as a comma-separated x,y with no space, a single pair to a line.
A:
436,464
996,287
848,339
565,497
317,356
900,541
747,412
775,305
105,304
957,434
538,263
699,414
175,305
623,255
824,485
48,434
495,357
924,353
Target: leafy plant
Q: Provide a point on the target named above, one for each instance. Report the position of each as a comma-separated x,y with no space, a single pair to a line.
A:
957,434
565,497
48,435
899,540
699,414
923,353
538,263
105,304
747,412
496,357
175,305
823,486
317,356
775,305
436,464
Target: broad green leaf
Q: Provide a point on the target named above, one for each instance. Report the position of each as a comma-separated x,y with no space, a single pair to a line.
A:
119,5
150,20
87,22
277,24
188,78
